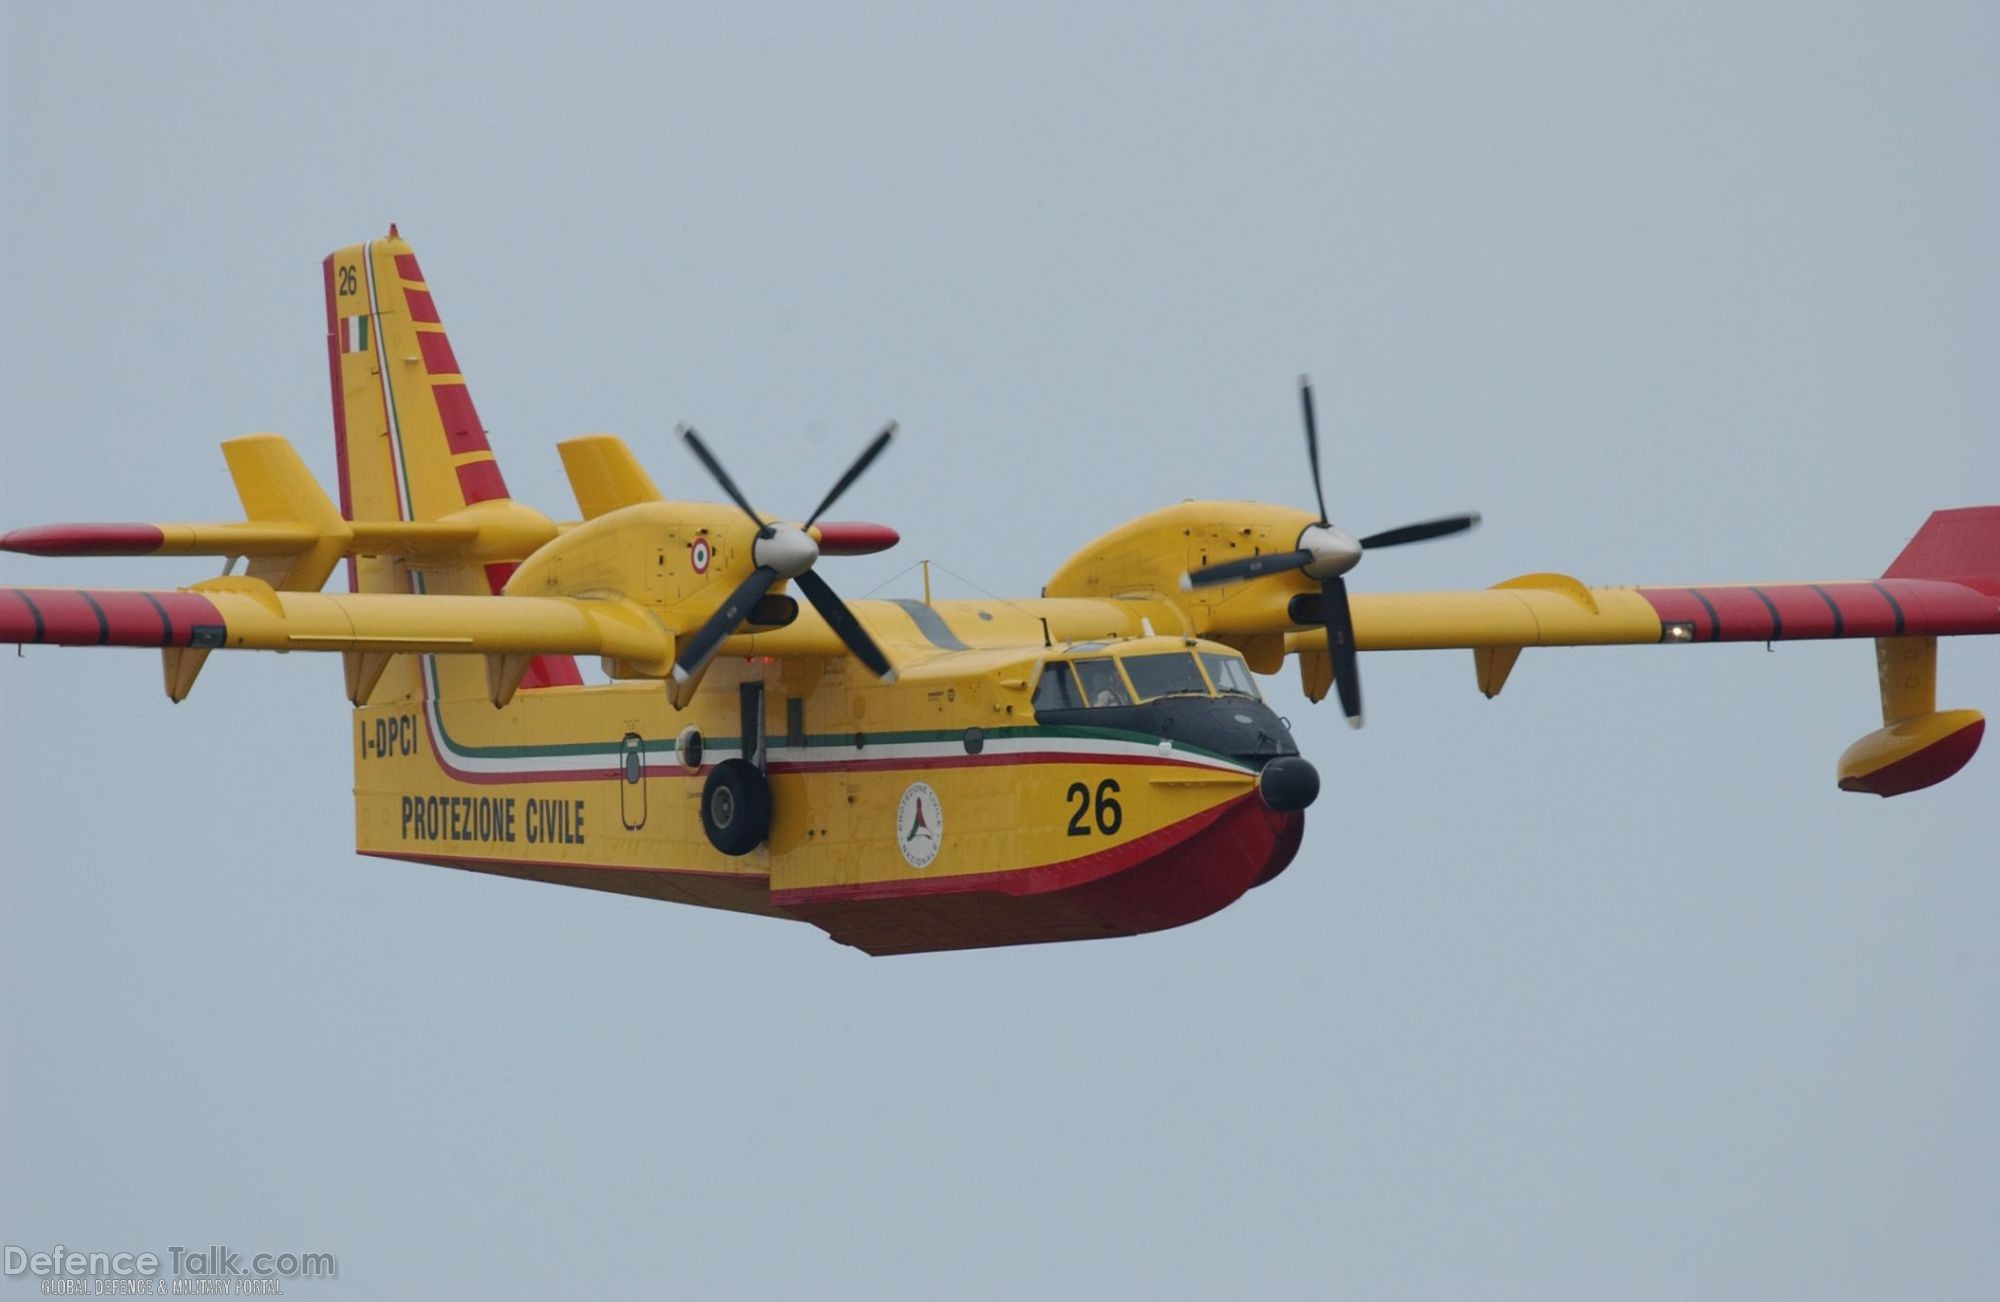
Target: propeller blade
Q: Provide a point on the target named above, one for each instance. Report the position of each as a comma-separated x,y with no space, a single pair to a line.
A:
1312,441
854,472
1442,527
726,619
1340,645
707,459
1249,567
838,617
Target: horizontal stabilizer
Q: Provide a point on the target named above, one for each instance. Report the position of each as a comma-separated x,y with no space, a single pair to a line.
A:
293,536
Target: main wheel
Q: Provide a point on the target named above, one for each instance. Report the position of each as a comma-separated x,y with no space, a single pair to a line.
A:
736,807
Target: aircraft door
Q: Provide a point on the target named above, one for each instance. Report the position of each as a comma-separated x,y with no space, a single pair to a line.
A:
632,781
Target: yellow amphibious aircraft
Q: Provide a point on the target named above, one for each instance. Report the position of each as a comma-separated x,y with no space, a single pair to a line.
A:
906,775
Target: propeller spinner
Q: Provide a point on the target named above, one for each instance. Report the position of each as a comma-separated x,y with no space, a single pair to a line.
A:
1326,552
780,552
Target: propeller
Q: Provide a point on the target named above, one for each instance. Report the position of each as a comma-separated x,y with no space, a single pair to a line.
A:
780,551
1326,552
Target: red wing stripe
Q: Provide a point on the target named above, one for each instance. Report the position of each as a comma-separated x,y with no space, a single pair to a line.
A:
1743,614
1802,612
166,620
1890,597
106,617
67,618
1771,607
1791,611
1676,606
1945,607
1714,620
15,628
103,624
131,618
1864,609
190,611
1832,606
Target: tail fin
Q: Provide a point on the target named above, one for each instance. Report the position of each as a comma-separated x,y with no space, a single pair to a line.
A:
408,438
406,435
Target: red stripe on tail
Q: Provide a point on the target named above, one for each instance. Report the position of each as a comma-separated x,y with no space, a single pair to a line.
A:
462,431
436,350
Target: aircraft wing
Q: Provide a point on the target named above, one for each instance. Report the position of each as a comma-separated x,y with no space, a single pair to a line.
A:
1497,623
1945,583
368,628
248,615
1554,610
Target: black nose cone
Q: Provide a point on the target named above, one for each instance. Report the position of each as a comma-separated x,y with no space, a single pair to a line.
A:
1289,782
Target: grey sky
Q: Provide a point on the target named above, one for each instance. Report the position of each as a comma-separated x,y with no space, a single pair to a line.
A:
1599,989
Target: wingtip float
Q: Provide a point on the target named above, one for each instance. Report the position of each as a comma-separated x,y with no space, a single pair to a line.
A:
907,775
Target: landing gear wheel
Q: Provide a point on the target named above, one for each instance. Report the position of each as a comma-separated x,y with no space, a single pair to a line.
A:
736,807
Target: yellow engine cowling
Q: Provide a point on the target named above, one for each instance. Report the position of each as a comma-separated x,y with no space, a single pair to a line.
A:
1150,556
1918,745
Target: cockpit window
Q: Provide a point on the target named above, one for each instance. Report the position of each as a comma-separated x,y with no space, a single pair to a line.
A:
1171,673
1057,689
1230,675
1101,684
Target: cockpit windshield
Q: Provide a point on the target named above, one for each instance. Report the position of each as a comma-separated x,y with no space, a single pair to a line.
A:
1171,673
1101,684
1057,689
1230,675
1096,683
